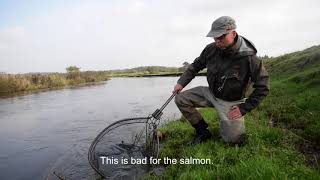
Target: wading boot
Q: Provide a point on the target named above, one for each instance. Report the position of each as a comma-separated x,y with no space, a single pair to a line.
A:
202,133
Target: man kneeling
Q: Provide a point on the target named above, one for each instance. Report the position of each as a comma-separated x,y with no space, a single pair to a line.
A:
232,65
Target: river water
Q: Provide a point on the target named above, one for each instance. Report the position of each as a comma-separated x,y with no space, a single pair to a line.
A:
41,131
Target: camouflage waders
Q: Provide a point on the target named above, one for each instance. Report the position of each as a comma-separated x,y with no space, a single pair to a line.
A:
187,101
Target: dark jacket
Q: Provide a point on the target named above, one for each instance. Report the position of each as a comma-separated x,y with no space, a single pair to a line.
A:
230,72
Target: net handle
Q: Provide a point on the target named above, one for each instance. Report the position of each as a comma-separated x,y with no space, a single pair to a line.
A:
167,102
158,113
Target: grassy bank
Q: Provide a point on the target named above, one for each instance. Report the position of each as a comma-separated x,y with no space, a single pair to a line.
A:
10,83
268,154
278,130
295,93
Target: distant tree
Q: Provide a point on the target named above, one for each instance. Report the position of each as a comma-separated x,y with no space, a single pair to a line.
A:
73,72
72,69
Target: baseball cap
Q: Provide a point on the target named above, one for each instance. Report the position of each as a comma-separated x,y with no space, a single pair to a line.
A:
222,25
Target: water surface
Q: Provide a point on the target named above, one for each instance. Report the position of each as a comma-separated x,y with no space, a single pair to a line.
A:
42,131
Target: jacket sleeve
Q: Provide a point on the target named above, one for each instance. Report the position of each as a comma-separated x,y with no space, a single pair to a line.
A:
198,64
260,80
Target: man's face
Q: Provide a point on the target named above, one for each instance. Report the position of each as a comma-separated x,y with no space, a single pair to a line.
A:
225,40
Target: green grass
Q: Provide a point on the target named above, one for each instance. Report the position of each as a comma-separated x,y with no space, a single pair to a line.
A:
295,92
268,154
295,106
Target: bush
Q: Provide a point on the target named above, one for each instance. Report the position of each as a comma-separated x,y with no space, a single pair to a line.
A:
56,80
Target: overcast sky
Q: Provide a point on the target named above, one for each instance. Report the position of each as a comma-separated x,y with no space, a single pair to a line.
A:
48,36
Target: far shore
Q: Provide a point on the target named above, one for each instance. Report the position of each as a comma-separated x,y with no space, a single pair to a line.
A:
19,85
34,91
157,75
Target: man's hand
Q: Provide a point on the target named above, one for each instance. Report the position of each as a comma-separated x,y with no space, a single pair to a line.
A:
234,113
177,88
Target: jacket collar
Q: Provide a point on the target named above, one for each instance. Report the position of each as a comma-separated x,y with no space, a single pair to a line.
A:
240,47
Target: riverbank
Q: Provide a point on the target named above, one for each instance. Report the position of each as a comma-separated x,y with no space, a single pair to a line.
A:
19,84
268,154
164,74
34,91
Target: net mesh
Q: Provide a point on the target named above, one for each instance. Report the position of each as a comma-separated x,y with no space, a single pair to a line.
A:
118,150
122,150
